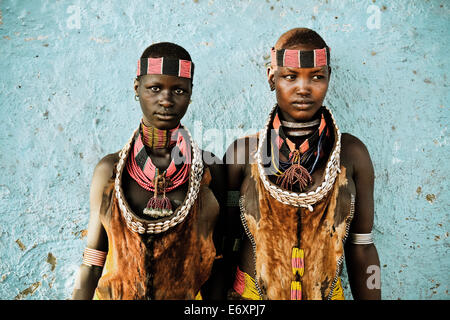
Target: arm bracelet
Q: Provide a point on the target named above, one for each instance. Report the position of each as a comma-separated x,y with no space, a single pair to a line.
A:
361,238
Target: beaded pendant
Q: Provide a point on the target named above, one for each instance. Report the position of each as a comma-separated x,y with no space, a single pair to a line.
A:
159,207
298,268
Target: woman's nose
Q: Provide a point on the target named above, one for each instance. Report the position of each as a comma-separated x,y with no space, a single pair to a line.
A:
303,87
165,99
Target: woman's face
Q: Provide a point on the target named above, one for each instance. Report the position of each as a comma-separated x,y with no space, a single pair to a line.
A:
164,99
300,91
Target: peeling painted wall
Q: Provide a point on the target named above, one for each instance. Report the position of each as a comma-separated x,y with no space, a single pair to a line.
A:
66,100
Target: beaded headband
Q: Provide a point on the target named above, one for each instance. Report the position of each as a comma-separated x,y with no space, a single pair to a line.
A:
300,58
170,67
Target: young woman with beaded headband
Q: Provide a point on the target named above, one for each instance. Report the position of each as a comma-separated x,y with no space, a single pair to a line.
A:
301,190
155,203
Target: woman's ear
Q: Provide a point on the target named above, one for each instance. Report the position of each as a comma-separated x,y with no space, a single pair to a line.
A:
136,86
270,77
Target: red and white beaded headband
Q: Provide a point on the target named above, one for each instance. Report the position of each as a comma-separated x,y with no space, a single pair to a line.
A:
171,67
300,59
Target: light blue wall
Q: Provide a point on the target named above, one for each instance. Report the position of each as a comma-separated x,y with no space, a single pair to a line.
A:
66,100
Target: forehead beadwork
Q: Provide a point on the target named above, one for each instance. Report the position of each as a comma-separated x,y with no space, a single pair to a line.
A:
167,66
300,58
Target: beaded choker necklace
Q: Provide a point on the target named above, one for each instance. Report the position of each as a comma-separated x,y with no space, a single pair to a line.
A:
294,198
302,161
157,138
148,176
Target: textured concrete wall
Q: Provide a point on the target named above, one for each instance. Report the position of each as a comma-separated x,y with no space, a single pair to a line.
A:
66,100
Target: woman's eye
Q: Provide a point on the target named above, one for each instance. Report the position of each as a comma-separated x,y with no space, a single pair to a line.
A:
289,77
318,77
154,89
179,91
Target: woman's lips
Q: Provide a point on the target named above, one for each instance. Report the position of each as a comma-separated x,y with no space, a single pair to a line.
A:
303,104
165,116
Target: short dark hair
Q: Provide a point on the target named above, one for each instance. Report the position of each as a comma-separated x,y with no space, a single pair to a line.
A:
167,50
299,36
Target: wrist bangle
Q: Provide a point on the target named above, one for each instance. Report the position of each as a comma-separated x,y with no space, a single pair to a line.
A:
93,257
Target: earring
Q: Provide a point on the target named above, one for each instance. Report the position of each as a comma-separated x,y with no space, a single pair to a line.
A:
272,87
136,97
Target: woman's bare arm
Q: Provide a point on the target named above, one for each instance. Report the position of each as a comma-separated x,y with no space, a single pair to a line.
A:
363,265
88,276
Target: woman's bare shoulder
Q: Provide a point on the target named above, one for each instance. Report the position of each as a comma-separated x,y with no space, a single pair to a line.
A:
355,153
104,170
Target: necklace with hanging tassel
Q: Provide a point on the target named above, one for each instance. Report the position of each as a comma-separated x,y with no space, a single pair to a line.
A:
159,207
302,160
295,174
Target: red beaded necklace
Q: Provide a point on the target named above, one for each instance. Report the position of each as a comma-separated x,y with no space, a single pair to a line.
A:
148,176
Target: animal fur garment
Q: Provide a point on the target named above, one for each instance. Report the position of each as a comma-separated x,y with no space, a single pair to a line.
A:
171,265
273,225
